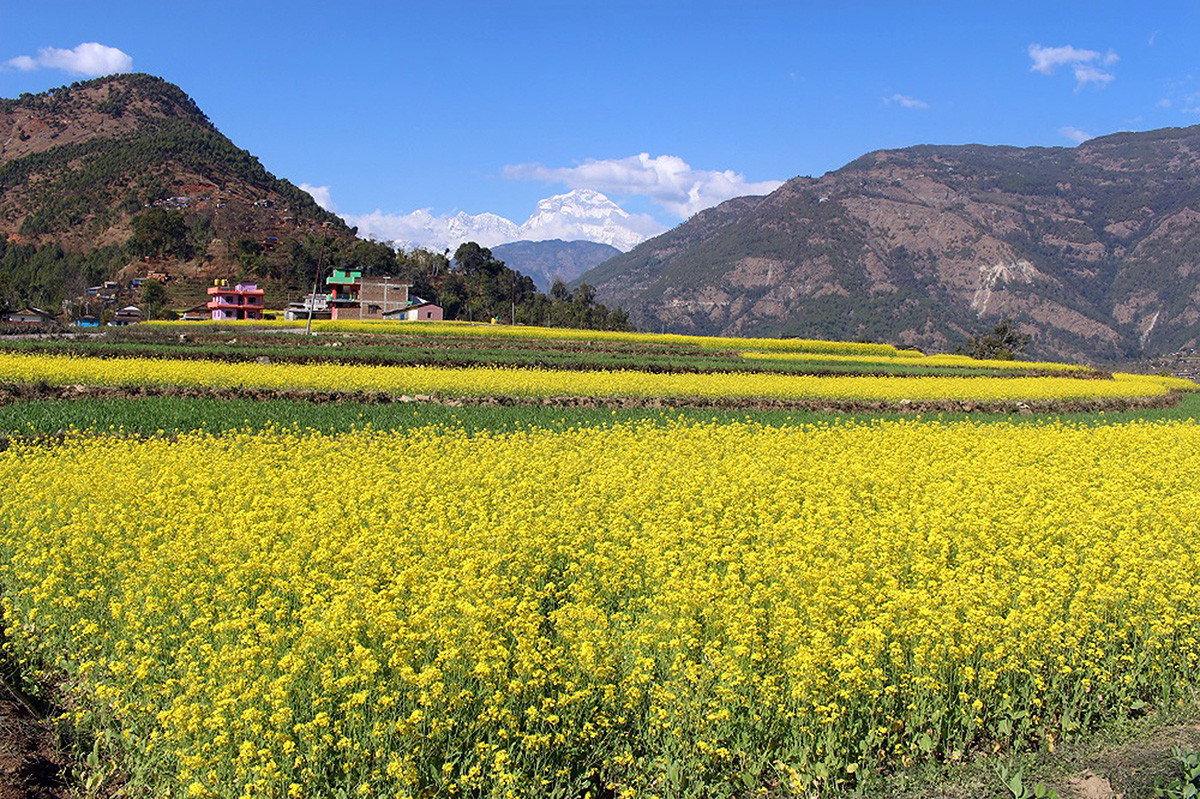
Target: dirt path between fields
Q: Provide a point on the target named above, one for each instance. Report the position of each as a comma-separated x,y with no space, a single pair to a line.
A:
14,392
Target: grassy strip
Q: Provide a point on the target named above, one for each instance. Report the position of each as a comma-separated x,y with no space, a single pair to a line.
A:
170,415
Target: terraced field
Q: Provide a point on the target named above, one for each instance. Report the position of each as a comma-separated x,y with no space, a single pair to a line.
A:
255,571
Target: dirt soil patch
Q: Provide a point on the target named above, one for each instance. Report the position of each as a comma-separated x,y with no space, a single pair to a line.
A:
32,763
1129,770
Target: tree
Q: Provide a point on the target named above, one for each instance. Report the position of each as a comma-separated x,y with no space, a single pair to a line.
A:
478,286
158,232
471,259
559,290
154,298
1003,343
373,257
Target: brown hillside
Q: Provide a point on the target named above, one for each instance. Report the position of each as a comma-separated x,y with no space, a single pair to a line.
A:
79,164
1094,250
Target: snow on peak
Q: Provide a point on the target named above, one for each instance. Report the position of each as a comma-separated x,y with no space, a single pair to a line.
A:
580,214
588,215
579,202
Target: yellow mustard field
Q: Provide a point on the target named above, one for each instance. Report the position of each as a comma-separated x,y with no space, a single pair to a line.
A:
915,359
533,332
530,382
659,609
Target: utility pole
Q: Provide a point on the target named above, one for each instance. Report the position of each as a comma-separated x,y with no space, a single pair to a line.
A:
312,298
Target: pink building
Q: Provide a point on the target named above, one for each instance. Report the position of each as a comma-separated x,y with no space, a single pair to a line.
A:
419,310
243,301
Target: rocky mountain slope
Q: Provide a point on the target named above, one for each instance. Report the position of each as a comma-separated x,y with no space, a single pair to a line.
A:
79,165
1094,250
545,261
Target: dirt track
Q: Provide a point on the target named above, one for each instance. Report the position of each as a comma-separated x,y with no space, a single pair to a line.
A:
13,392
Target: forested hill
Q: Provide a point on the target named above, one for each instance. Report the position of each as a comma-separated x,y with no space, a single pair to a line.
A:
1094,250
84,167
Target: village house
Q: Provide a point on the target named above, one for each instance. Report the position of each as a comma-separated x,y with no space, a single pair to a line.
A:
129,315
417,310
352,296
242,301
197,313
108,290
27,316
315,306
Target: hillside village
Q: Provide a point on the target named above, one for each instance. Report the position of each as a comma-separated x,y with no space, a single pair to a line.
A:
348,295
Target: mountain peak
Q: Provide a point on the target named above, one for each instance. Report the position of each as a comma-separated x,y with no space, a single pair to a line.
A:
580,202
1090,249
583,214
79,162
134,94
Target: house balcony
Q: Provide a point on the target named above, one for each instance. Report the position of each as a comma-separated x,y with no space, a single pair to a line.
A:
239,302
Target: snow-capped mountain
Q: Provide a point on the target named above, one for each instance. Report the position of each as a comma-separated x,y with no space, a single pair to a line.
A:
480,228
578,215
587,215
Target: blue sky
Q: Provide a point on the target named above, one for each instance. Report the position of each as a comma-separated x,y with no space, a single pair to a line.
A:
402,106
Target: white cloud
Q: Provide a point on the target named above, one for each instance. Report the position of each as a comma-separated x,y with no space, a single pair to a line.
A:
89,59
579,215
666,179
1085,74
423,229
905,102
322,196
1074,134
1085,64
1047,59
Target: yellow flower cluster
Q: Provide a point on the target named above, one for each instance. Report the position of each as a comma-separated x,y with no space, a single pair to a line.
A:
911,358
666,609
529,382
